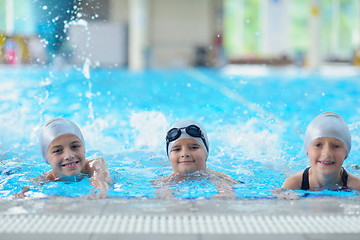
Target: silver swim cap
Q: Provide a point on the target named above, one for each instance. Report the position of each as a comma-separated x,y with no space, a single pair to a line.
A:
203,140
55,128
328,124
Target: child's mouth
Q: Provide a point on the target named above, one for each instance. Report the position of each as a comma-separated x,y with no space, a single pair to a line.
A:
187,162
70,165
326,163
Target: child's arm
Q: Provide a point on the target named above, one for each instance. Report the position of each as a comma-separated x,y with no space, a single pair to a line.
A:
38,181
100,178
224,185
163,187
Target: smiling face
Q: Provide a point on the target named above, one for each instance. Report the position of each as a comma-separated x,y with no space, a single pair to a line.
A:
187,156
327,155
66,155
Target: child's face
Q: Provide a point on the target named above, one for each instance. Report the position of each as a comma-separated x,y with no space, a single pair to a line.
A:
66,155
187,156
327,154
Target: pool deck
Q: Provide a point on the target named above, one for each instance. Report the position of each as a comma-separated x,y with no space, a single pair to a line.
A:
116,218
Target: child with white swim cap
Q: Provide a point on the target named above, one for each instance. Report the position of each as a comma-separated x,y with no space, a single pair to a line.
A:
327,144
187,147
63,148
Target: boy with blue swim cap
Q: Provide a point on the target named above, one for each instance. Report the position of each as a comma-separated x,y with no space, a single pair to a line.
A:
327,143
187,148
63,148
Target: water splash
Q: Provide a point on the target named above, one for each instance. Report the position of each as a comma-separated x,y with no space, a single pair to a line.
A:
86,68
251,140
79,22
150,129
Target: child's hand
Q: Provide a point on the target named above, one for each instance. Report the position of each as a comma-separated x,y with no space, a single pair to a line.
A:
21,194
97,194
224,196
164,193
285,195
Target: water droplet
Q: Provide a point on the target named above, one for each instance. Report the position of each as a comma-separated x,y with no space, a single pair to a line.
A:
86,68
44,8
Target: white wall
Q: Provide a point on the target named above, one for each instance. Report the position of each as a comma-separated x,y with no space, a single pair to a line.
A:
119,11
176,28
100,42
275,28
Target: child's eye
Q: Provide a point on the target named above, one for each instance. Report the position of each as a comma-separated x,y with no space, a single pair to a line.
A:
75,146
336,146
57,151
175,149
318,145
194,147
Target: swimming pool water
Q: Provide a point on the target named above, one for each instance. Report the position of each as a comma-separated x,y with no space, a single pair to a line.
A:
255,123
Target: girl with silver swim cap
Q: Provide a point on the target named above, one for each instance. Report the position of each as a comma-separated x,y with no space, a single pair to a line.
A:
328,124
55,128
187,147
327,143
63,148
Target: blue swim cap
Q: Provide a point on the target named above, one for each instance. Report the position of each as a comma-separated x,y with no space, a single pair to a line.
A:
328,124
55,128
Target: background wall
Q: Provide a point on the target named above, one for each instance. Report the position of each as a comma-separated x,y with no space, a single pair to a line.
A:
177,28
181,33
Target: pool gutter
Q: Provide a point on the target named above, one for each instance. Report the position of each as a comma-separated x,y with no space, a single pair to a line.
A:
115,218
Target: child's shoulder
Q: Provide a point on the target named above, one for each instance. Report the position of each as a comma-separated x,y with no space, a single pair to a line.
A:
353,182
294,181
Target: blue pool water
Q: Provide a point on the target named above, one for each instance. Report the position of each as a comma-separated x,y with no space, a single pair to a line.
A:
255,122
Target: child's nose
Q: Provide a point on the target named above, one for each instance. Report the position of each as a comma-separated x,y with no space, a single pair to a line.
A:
327,151
184,153
68,154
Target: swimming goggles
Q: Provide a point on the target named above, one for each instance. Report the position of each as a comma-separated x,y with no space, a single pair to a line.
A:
192,130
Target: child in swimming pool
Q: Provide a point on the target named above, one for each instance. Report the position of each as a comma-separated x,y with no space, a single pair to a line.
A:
187,147
62,147
327,144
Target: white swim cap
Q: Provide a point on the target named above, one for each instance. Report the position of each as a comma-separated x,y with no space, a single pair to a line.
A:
55,128
328,124
183,124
